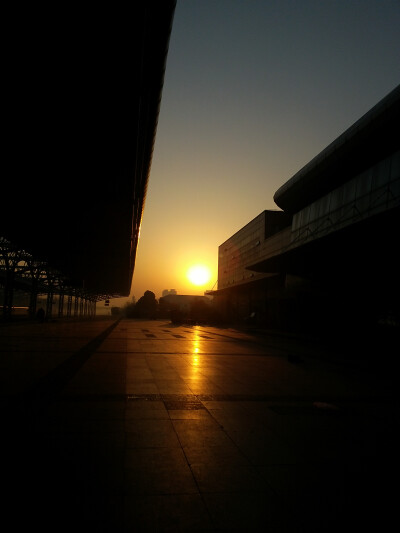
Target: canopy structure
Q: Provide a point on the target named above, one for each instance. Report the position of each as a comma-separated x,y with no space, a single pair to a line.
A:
83,91
366,142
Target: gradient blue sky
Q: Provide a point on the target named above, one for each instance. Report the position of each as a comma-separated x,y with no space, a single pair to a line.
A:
253,90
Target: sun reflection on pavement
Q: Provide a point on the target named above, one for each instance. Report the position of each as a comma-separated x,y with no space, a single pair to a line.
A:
195,348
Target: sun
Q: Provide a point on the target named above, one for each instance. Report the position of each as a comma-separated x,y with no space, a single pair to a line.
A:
199,275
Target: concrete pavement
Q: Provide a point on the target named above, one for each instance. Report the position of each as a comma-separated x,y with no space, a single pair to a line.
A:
132,426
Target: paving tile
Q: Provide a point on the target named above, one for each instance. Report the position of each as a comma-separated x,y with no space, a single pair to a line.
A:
171,386
188,414
204,388
263,447
162,513
228,478
255,512
141,387
113,345
158,471
144,409
200,432
150,433
226,455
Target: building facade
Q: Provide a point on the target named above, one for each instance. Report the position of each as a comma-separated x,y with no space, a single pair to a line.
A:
333,261
244,294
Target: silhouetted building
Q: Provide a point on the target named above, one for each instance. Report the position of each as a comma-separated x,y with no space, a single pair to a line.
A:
335,263
184,307
166,292
243,293
182,302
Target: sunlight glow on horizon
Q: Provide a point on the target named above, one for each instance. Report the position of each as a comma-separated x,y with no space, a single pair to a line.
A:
199,275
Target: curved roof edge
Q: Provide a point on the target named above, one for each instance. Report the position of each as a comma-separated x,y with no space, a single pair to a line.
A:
346,153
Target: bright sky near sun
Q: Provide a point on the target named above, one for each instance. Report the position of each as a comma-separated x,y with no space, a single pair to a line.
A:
253,90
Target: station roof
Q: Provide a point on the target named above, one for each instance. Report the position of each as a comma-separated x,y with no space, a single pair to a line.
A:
366,142
83,92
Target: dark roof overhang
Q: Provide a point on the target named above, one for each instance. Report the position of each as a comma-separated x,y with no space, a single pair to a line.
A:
82,96
268,280
366,142
358,253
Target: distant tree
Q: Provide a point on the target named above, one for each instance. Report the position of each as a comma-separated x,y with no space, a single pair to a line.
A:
146,306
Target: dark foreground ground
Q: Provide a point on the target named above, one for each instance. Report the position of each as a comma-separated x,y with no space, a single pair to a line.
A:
135,426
